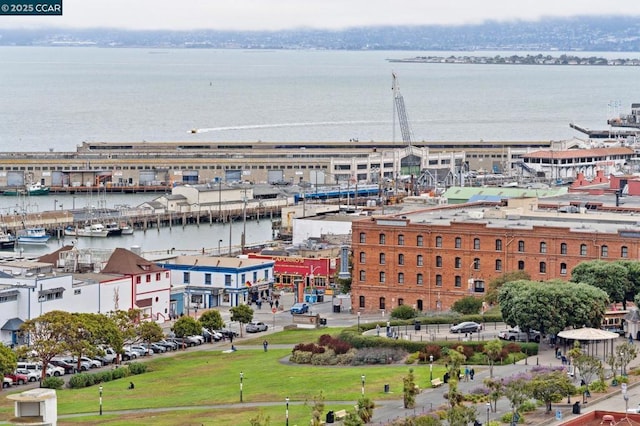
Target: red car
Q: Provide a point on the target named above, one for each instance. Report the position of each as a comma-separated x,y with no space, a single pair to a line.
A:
17,378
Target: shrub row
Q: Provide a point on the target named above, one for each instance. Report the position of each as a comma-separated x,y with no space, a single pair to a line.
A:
84,380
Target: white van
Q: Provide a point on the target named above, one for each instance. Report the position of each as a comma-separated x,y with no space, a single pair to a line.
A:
52,370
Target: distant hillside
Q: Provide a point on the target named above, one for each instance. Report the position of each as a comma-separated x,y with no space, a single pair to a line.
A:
613,33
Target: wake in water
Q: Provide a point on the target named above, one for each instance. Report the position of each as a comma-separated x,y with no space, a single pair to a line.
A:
282,125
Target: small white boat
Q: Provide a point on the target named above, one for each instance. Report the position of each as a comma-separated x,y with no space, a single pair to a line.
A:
33,235
126,229
93,230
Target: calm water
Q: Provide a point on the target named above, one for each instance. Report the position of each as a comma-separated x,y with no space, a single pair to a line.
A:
55,98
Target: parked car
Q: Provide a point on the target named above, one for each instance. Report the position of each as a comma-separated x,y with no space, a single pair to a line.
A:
157,349
256,327
17,378
514,334
211,335
197,337
172,346
300,308
84,366
466,327
6,382
93,363
33,376
226,333
141,350
66,366
128,355
188,341
108,356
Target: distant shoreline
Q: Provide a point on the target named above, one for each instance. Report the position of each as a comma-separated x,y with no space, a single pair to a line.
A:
521,60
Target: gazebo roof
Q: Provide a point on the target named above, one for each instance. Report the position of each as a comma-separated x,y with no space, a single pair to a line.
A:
587,333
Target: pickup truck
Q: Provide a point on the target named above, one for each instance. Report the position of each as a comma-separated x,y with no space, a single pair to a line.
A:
515,335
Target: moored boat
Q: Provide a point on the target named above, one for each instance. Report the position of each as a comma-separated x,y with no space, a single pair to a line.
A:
31,189
33,235
7,241
113,229
93,230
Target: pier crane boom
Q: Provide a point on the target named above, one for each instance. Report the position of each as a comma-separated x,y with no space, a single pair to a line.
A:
400,110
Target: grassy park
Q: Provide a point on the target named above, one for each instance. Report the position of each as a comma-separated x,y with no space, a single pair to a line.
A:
201,382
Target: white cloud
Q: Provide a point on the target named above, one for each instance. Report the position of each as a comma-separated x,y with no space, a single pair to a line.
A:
329,14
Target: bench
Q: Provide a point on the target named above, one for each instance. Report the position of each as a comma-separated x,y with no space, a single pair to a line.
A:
436,383
340,414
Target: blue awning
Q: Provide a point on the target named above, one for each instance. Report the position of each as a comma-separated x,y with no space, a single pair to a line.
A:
12,325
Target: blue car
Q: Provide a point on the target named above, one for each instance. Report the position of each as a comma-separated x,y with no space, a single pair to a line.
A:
300,308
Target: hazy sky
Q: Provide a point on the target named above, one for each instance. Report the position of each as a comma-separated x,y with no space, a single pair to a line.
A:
327,14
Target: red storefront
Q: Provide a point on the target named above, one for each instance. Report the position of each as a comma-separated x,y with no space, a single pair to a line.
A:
308,273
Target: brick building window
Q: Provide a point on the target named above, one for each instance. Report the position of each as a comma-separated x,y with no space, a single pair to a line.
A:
583,249
438,280
458,263
476,243
438,241
498,264
401,259
382,258
400,277
521,265
563,248
624,251
419,240
363,275
383,239
361,302
476,263
400,301
543,247
420,279
420,260
383,276
362,257
498,245
521,246
400,240
543,267
438,261
419,305
604,251
458,281
458,242
478,286
563,269
382,303
363,238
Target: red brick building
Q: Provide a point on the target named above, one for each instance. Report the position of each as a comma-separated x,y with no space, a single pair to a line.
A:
430,259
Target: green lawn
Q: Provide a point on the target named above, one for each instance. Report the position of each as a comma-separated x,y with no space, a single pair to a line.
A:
208,377
293,336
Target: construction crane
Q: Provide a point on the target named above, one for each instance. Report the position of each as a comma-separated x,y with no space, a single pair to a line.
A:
400,111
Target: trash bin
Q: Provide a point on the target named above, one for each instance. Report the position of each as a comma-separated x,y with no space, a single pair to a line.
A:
386,388
417,325
336,308
576,408
320,298
331,417
323,321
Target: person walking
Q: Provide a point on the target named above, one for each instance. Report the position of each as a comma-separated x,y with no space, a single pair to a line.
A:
265,345
472,373
466,374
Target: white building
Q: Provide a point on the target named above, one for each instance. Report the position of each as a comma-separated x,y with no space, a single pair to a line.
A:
203,282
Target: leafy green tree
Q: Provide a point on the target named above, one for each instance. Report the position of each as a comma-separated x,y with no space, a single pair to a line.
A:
365,409
496,391
344,284
633,276
125,324
551,306
8,360
493,349
550,387
494,285
612,277
404,312
587,365
409,390
467,305
186,326
82,335
515,389
317,411
626,353
211,320
455,358
352,419
243,314
461,414
47,335
149,331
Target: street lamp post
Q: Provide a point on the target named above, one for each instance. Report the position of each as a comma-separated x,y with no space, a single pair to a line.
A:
286,413
241,377
219,242
358,321
100,389
362,378
430,367
488,410
621,364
